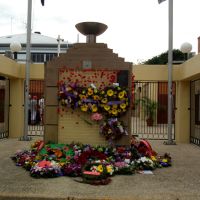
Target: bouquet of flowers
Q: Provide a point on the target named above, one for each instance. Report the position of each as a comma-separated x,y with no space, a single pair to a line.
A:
46,169
124,167
145,163
112,129
22,157
96,173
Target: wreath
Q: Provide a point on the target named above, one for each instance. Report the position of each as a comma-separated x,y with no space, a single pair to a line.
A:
95,173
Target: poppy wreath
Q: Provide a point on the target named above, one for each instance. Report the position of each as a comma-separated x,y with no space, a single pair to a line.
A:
95,173
114,101
89,99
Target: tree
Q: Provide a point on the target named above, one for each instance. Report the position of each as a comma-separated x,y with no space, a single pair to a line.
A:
162,59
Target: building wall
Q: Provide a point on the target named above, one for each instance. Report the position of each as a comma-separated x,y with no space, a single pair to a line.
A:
182,74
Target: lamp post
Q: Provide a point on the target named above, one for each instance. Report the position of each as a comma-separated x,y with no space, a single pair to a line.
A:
170,61
15,47
27,73
186,48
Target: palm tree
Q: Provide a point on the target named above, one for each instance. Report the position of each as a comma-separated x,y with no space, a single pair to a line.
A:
149,107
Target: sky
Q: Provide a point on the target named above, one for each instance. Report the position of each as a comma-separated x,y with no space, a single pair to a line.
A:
137,29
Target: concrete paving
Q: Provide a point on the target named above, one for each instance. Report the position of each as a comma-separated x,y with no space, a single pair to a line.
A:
179,182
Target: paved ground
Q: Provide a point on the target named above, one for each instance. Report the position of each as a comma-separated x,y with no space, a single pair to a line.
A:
179,182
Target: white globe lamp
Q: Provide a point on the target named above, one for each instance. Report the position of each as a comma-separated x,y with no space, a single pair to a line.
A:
186,47
15,47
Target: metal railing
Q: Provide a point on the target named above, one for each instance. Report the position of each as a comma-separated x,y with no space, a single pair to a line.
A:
195,112
149,119
36,108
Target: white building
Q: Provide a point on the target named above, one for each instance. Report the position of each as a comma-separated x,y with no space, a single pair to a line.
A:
43,48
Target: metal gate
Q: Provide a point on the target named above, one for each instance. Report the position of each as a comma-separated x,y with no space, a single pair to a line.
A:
149,119
36,108
195,112
4,107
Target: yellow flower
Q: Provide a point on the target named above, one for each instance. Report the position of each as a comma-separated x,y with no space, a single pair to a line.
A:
109,169
164,160
82,96
106,107
114,111
123,106
153,158
121,95
96,97
90,91
104,100
110,92
94,108
100,168
84,108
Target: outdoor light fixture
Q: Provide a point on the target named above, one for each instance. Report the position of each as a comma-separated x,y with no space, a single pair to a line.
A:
186,48
15,47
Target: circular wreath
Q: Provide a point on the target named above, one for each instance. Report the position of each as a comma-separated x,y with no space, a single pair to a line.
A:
89,99
95,173
114,101
46,169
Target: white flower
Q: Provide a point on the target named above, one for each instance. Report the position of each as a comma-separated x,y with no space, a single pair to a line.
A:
93,86
127,161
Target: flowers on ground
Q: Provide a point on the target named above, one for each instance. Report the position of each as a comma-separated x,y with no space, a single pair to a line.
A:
95,164
46,169
96,173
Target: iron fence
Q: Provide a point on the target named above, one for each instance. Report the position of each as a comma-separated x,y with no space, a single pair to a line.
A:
195,112
36,108
149,119
4,107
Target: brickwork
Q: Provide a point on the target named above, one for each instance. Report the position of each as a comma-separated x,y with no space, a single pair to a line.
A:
69,126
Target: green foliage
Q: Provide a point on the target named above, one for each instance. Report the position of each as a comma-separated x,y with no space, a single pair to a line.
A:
149,106
162,59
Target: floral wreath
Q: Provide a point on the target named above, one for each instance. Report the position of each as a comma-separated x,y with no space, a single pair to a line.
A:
97,173
111,102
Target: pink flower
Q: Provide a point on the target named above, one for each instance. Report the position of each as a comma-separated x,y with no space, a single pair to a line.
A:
96,117
44,163
91,173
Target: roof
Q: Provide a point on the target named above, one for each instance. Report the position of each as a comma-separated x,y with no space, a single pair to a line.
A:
36,38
